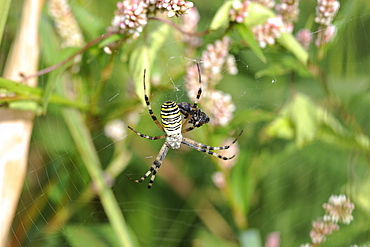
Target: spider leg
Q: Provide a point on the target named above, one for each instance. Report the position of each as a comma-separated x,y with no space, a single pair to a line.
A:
195,105
188,129
204,150
207,149
146,136
149,106
155,166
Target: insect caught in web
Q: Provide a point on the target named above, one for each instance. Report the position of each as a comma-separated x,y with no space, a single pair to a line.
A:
173,127
197,116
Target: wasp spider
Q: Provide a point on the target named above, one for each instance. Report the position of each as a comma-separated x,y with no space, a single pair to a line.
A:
173,126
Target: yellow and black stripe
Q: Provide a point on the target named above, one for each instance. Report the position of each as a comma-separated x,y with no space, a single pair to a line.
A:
171,117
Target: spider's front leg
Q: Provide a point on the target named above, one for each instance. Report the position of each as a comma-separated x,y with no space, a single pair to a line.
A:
146,136
190,111
155,166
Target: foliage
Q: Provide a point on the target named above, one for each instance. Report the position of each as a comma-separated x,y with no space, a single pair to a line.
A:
304,114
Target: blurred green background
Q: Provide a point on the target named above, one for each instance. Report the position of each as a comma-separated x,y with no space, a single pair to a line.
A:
277,184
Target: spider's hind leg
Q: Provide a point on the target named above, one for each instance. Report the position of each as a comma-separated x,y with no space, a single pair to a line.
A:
153,170
207,149
155,166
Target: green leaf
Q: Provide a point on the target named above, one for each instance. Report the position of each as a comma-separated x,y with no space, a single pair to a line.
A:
26,105
253,116
257,14
306,121
332,131
54,76
303,114
20,88
248,36
34,94
298,117
109,40
282,128
361,191
144,54
4,10
222,17
50,42
291,44
286,65
140,61
53,55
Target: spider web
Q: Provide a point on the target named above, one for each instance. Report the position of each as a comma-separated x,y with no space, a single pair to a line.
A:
280,187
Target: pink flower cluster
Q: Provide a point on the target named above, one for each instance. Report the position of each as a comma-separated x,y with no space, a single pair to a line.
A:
189,25
174,7
321,229
326,35
239,11
304,37
337,210
215,60
326,10
223,108
289,10
132,15
130,18
267,33
273,240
